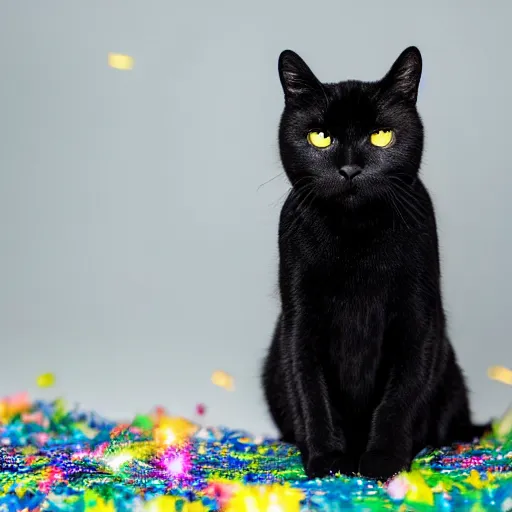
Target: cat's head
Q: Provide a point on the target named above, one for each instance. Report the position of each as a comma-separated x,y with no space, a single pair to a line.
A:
351,141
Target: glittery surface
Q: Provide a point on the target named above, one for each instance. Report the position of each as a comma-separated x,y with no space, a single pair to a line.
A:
59,460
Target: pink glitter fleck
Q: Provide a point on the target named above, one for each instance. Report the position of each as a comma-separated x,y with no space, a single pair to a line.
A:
397,488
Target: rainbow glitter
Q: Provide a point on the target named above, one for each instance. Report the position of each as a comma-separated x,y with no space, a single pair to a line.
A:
54,459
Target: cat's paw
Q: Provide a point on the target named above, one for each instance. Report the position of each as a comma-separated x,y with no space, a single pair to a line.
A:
329,464
381,465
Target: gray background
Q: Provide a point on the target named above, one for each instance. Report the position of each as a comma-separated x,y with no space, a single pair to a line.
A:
137,253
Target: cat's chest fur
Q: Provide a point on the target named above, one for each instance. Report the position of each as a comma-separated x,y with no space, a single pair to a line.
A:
342,266
343,284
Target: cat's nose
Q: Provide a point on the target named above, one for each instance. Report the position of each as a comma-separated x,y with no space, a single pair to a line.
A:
350,171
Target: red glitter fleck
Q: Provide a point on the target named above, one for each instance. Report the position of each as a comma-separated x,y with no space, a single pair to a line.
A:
220,491
200,409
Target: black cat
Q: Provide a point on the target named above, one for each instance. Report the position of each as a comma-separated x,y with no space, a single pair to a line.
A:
360,374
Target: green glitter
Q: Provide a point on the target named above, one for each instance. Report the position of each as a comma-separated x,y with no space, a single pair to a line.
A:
71,461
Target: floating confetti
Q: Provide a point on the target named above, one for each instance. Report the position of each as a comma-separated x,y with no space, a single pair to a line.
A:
503,427
160,410
46,380
223,380
55,459
120,61
201,409
501,374
143,421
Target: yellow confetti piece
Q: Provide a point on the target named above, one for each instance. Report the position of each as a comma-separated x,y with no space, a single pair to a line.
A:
46,380
193,506
475,480
120,61
223,380
95,503
270,498
501,374
173,504
20,491
503,427
419,491
161,503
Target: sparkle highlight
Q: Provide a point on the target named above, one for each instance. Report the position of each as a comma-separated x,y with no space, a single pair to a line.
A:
53,458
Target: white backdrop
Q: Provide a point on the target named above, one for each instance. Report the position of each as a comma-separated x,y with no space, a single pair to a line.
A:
137,253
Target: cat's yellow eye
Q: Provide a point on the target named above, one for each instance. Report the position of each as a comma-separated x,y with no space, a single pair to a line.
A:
382,138
319,139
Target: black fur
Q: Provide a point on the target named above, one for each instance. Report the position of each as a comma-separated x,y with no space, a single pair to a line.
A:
360,374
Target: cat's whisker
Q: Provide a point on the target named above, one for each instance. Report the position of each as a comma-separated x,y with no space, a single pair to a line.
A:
408,189
278,200
271,179
414,200
306,190
389,200
392,197
291,189
300,180
411,205
309,192
394,208
408,200
407,207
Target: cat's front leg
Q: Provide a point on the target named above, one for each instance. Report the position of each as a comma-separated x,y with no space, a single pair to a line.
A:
389,448
323,446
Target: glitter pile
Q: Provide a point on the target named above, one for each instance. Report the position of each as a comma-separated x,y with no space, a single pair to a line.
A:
64,460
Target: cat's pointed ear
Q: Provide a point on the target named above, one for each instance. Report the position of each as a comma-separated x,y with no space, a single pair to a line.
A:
405,74
296,77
